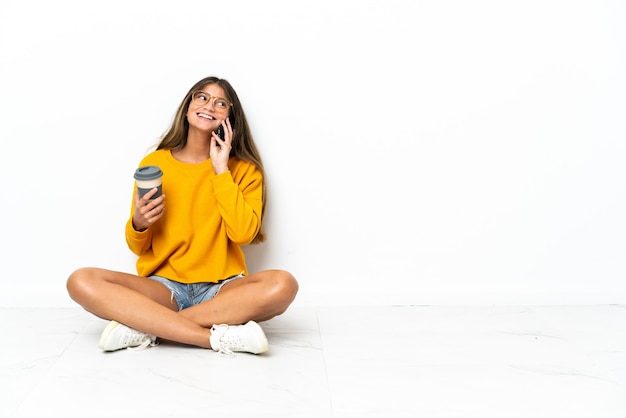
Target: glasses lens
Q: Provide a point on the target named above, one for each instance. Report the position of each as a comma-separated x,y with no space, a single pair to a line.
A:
220,104
200,98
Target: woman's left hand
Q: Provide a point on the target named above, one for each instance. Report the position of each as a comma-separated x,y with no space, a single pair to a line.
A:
220,149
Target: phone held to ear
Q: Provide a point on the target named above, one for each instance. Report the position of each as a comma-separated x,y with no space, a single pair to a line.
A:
220,129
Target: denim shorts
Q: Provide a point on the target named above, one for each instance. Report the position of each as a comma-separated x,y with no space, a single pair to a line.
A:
187,295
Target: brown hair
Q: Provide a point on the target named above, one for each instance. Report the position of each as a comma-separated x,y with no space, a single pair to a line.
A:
243,146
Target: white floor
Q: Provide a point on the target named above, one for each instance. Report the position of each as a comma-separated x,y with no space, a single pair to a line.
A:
330,362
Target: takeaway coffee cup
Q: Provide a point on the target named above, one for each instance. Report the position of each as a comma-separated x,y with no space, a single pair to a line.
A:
147,178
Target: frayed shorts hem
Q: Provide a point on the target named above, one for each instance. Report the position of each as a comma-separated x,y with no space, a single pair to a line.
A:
187,295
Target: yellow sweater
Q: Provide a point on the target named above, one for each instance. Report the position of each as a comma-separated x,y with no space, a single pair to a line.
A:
207,218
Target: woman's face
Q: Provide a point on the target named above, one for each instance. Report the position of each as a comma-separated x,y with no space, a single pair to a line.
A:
208,108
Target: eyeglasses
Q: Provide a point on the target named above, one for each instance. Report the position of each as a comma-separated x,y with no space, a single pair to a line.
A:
201,98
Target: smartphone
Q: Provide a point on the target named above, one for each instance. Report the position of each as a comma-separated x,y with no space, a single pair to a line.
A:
220,129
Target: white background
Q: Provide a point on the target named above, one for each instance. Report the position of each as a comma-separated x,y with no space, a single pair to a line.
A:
417,152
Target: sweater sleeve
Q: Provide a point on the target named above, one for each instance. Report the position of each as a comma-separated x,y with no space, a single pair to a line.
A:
138,241
239,196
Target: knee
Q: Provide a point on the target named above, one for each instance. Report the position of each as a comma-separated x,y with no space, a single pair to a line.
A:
285,286
79,282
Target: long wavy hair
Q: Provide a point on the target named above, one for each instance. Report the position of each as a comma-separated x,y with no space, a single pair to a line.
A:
243,146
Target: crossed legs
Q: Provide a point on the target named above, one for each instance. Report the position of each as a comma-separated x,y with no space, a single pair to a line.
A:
147,306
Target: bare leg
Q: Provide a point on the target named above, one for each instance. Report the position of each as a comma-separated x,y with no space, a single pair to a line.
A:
137,302
146,305
258,297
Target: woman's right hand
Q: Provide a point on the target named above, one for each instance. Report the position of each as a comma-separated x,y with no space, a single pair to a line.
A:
147,211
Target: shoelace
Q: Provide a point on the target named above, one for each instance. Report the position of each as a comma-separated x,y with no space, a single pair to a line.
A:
227,343
226,352
146,341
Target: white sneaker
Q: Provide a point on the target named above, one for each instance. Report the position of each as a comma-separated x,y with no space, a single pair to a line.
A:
248,338
117,336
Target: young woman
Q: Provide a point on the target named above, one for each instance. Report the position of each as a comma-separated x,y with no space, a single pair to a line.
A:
192,284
